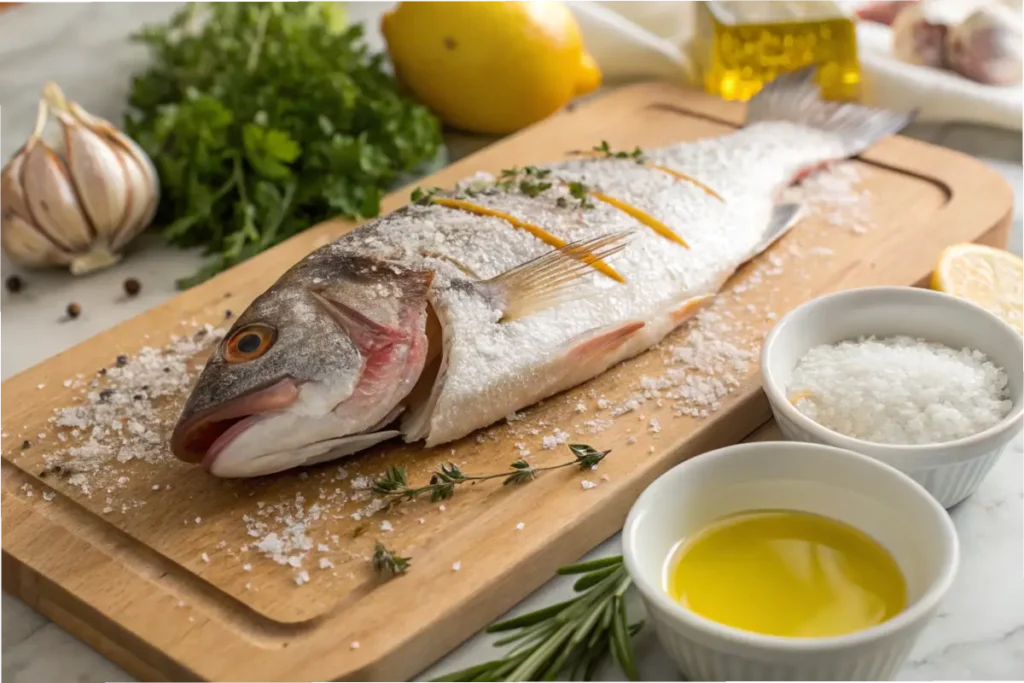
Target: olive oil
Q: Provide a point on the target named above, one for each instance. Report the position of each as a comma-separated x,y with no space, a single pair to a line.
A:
744,45
786,573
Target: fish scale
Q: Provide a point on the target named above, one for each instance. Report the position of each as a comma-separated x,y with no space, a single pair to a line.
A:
718,195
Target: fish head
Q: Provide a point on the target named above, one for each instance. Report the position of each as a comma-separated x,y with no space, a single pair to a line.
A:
311,370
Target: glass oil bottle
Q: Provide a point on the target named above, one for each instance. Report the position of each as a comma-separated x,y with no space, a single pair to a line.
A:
744,45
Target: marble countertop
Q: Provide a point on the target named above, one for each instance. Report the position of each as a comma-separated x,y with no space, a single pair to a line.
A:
979,633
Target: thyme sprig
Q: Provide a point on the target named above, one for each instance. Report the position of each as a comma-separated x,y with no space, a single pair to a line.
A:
387,563
569,638
422,197
636,153
604,149
394,482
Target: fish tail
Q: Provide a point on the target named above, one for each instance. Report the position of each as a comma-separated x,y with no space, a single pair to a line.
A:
794,97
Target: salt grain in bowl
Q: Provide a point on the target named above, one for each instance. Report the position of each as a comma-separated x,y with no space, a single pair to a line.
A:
900,390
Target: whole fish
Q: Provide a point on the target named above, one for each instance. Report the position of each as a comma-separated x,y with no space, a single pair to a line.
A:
465,306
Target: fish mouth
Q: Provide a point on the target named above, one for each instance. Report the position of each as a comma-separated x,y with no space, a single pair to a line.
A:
199,438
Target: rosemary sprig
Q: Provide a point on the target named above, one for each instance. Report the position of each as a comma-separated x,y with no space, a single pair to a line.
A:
570,638
394,482
387,563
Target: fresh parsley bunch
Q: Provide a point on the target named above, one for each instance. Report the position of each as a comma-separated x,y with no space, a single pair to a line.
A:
266,118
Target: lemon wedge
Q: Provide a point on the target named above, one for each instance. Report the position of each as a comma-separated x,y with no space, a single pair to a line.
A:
991,278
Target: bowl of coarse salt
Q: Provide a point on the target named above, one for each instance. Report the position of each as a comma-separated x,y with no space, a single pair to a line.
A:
920,380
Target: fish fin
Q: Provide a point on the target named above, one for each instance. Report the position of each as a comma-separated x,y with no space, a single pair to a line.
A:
597,346
784,217
794,96
686,310
553,278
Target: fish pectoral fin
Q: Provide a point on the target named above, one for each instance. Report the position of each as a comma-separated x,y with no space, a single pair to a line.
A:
553,278
367,334
686,310
598,345
784,217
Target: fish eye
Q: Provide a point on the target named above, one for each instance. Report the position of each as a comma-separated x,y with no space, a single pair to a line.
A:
249,343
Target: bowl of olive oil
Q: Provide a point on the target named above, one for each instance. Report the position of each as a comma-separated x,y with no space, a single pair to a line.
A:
743,45
789,561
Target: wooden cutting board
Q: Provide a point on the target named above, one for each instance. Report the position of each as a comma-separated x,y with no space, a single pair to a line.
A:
158,569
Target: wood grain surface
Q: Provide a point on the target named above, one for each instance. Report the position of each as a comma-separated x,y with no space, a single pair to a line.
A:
136,585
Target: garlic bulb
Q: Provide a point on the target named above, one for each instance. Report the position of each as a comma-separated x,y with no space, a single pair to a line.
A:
918,38
986,46
81,207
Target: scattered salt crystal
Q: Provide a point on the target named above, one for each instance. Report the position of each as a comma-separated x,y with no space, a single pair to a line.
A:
49,495
581,407
520,526
301,578
900,390
181,603
441,508
205,558
631,440
322,548
587,484
155,487
68,382
354,645
421,520
325,563
553,440
654,425
40,386
386,526
199,520
246,567
457,566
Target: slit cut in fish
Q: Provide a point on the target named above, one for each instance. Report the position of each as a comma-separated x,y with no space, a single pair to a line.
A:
386,332
535,230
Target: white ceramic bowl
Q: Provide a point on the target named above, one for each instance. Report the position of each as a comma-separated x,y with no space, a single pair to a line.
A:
950,471
843,485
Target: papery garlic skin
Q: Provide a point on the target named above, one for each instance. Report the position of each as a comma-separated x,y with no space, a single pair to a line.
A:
986,46
80,209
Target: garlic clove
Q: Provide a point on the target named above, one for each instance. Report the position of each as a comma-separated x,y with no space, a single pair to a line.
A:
986,46
29,246
141,205
52,199
12,197
143,183
98,175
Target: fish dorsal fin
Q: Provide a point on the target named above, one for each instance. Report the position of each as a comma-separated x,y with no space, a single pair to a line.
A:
553,278
784,216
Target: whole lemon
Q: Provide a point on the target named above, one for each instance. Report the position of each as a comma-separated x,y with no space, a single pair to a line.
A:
489,67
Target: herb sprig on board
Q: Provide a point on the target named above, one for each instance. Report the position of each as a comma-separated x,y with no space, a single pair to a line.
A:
266,118
570,638
394,483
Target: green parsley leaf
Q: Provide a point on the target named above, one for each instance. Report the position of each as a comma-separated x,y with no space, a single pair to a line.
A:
264,119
